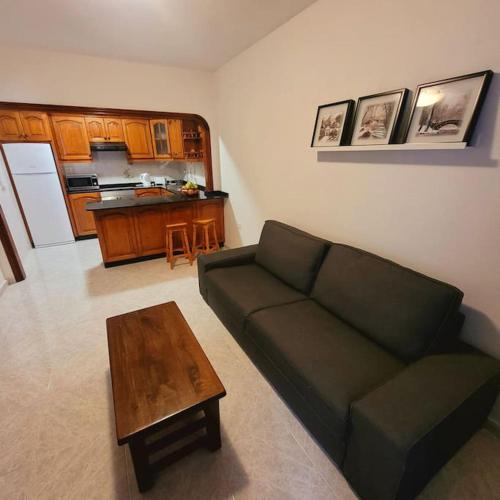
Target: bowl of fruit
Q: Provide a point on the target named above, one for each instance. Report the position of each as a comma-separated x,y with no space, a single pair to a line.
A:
190,188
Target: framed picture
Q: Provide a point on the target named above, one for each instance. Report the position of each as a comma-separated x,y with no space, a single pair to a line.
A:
332,124
447,110
378,117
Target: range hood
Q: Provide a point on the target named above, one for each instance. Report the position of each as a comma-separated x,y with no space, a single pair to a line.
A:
108,146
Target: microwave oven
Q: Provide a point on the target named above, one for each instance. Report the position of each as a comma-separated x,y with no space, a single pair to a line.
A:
82,182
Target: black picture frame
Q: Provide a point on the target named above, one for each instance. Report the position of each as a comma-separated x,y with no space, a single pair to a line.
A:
346,128
399,112
480,98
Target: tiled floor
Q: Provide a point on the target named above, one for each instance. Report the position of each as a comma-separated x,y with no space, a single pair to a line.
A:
56,419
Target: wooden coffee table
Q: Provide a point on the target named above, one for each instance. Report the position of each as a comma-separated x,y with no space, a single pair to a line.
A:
161,377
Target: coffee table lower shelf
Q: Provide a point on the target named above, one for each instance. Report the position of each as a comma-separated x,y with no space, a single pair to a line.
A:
145,466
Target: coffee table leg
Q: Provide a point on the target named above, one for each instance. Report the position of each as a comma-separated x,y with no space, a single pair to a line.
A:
142,469
213,425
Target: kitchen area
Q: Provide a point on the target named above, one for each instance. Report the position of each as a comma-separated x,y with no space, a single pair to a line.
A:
118,175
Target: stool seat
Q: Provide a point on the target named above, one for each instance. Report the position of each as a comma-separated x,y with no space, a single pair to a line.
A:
177,225
171,229
205,246
203,222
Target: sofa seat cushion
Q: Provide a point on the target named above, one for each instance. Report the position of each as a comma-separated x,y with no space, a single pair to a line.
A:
290,254
405,312
326,360
235,292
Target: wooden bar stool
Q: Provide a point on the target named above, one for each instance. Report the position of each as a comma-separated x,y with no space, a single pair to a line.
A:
181,228
205,246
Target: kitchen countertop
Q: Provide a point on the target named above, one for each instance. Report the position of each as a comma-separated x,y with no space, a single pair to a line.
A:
174,196
124,186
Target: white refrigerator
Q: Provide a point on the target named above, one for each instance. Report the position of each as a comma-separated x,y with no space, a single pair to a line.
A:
35,176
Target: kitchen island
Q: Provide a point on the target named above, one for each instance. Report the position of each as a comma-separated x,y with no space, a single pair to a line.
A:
131,229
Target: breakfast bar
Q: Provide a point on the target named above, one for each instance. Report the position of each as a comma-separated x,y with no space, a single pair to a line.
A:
131,229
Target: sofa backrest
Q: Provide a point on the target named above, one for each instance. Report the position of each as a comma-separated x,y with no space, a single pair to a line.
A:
290,254
404,311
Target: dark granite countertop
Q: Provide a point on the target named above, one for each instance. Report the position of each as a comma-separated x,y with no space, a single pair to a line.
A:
173,196
123,186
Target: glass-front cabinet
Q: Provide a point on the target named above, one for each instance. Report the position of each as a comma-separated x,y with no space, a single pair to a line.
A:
161,144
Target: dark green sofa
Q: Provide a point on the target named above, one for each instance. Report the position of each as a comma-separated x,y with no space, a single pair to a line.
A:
365,352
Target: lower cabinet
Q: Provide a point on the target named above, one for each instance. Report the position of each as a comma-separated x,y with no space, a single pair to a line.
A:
150,229
84,220
212,209
181,212
128,233
117,234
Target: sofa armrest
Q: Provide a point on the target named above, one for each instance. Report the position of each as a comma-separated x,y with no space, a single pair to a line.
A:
225,258
406,429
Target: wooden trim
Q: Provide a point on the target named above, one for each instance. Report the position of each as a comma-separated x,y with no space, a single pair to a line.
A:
124,113
16,194
10,249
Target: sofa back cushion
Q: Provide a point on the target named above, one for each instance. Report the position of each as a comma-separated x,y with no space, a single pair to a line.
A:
290,254
402,310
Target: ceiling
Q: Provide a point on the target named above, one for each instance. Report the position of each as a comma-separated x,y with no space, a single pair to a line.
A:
201,34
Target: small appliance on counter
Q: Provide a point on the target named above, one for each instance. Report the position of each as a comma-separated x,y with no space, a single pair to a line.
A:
145,178
84,182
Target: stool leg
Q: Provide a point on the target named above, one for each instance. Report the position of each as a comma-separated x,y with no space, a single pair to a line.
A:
171,249
185,245
207,239
166,245
193,251
215,237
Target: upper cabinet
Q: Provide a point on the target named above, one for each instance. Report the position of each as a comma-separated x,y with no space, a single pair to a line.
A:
71,136
24,126
138,138
161,145
11,128
114,129
36,126
176,140
104,129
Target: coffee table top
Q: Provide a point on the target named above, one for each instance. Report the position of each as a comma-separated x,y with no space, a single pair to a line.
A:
158,368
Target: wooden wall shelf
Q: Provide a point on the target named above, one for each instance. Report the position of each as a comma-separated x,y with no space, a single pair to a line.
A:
398,147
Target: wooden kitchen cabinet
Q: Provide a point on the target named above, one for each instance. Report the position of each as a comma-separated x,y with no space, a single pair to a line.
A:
36,126
11,128
104,129
116,230
180,212
208,209
114,128
150,229
145,192
176,139
71,137
29,126
138,138
161,143
84,220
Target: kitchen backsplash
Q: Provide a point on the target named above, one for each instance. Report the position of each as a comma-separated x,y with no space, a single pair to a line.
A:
113,167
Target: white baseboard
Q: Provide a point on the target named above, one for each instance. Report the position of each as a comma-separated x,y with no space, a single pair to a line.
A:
3,286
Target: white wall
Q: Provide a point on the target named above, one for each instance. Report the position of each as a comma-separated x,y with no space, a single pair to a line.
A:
45,77
437,212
